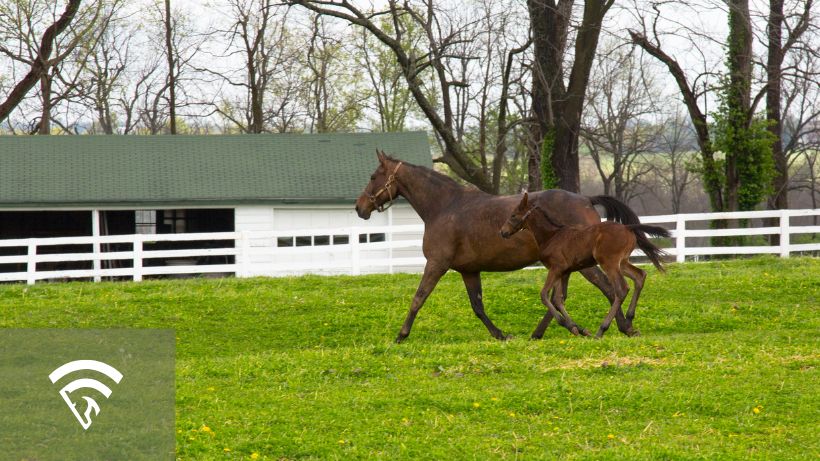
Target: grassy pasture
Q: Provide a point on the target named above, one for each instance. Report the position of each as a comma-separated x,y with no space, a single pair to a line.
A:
728,366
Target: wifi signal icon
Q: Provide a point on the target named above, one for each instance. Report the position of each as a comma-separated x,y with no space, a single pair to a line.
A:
85,383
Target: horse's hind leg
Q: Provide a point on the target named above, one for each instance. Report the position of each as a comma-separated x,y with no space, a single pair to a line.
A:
620,290
472,281
432,274
598,278
638,277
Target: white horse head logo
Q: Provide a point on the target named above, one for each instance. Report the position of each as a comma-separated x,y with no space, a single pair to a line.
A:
92,405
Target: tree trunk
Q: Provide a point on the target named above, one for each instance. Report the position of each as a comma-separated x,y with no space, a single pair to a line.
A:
40,63
780,195
172,83
554,106
45,113
549,22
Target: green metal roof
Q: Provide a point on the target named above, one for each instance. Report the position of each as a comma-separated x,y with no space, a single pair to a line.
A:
53,171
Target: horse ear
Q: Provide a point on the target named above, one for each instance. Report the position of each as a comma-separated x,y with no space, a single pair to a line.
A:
380,155
524,200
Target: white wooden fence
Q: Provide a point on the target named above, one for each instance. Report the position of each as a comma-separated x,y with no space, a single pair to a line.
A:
24,256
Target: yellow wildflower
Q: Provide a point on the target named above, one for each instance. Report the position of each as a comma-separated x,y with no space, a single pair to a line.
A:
610,436
254,455
476,405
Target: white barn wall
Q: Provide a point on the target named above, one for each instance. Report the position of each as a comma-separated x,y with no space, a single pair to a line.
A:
295,217
404,214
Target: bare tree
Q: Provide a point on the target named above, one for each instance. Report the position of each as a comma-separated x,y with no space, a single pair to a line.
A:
676,146
170,54
257,96
797,24
388,96
334,96
431,62
620,120
20,25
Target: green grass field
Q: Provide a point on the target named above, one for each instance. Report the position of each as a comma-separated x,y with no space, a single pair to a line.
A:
727,367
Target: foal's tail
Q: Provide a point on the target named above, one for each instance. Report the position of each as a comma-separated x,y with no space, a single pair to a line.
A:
652,252
616,210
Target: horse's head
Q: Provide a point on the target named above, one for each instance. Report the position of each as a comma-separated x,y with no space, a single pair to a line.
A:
381,189
517,219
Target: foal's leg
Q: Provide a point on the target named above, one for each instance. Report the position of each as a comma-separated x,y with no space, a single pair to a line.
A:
620,289
552,279
432,274
472,281
598,278
558,296
638,277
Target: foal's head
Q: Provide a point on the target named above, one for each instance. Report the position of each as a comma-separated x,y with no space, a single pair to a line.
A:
517,219
382,188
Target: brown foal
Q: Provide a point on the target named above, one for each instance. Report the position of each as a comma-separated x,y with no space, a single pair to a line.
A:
566,249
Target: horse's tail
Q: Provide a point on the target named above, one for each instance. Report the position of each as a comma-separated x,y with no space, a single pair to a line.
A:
652,252
616,210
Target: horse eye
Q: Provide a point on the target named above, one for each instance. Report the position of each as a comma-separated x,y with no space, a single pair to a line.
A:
372,177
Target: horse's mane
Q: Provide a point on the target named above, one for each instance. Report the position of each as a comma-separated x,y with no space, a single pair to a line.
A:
432,175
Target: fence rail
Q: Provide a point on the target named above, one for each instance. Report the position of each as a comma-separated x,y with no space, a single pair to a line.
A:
247,254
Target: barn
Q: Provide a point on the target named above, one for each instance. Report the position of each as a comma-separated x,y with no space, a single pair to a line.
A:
96,186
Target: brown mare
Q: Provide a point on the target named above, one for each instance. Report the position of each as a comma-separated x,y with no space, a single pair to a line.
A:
461,230
566,249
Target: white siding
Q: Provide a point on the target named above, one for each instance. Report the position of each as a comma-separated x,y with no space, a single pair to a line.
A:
284,217
405,215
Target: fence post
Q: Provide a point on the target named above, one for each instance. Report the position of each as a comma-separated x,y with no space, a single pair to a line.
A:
138,257
31,263
356,268
243,269
680,240
784,234
95,247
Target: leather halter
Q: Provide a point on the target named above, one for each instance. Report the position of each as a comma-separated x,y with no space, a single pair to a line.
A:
386,187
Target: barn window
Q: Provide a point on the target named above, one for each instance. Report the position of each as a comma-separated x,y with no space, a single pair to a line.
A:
321,240
372,238
145,221
175,221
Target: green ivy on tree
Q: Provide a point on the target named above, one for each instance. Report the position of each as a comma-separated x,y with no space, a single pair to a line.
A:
748,143
549,180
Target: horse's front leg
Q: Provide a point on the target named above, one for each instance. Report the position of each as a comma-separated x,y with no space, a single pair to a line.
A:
432,274
472,281
597,278
559,294
550,284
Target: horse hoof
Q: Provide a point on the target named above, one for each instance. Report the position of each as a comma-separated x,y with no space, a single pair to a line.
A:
535,337
585,332
575,331
632,333
503,337
400,338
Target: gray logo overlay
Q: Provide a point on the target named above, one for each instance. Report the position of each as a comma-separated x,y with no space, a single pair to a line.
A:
104,394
